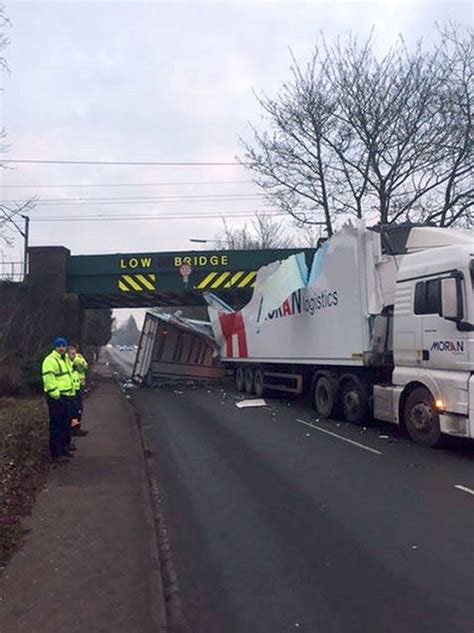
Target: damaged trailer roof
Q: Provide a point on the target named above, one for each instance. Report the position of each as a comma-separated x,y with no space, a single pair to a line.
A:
195,326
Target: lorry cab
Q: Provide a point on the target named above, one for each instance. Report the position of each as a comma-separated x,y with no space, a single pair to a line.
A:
433,340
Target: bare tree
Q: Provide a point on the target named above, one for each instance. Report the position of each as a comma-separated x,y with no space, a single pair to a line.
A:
9,217
385,140
262,232
292,161
4,41
456,57
9,213
309,236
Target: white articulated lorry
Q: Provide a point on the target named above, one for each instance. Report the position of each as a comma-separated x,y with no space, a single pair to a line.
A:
381,324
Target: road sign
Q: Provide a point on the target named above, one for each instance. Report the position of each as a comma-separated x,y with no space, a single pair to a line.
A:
185,270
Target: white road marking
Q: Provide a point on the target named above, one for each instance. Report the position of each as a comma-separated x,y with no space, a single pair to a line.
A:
340,437
464,489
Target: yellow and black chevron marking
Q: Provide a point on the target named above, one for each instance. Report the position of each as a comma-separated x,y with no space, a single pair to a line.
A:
137,282
241,279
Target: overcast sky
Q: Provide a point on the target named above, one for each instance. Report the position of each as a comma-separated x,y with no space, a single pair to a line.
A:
135,81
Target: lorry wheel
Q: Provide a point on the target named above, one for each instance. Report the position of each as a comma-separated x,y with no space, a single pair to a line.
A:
248,380
323,396
355,402
258,383
421,418
239,379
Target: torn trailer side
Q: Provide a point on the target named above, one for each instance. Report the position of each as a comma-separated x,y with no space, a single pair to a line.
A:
172,347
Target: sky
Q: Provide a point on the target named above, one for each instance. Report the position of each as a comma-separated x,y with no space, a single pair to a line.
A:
163,82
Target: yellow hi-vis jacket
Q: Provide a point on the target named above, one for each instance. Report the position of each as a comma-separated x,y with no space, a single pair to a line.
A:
76,379
57,376
80,366
76,376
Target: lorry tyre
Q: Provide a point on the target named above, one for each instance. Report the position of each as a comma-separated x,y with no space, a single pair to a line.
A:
355,402
239,379
324,395
259,383
421,418
248,380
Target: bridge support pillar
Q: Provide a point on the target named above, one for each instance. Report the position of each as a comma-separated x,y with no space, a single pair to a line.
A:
47,279
48,267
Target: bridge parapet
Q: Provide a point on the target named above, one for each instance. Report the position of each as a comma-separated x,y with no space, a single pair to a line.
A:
48,266
154,279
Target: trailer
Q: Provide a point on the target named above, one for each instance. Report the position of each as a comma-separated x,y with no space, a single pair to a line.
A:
380,324
172,347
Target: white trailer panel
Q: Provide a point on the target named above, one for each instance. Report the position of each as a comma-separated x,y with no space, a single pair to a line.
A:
329,319
173,347
145,349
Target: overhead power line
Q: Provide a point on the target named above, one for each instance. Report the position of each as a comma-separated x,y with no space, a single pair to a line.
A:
135,218
133,163
132,184
145,199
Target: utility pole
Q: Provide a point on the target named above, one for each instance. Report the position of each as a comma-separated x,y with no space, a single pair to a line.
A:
25,233
26,236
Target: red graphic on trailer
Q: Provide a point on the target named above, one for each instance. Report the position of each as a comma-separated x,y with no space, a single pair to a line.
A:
233,325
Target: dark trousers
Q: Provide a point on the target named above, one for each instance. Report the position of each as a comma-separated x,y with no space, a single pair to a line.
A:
59,426
70,414
78,398
76,406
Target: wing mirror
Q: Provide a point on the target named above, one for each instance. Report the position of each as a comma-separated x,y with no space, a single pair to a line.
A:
451,299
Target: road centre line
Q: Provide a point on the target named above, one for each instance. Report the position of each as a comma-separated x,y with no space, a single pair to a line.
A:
464,489
340,437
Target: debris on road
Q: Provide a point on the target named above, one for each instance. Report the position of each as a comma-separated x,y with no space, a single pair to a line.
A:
255,402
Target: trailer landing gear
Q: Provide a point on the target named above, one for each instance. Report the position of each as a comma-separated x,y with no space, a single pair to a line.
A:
239,379
259,383
248,380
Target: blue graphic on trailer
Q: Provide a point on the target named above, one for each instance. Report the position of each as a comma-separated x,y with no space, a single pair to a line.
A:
317,266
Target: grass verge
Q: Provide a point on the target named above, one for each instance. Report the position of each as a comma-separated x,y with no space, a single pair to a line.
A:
23,466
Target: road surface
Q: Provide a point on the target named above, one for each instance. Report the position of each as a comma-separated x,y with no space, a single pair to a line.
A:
122,360
280,522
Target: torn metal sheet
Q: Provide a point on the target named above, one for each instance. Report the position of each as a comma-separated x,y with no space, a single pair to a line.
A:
172,347
310,316
290,275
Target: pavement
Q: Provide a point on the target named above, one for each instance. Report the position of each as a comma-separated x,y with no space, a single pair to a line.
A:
280,522
90,561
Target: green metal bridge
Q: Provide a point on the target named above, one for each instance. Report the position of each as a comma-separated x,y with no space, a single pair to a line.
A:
167,278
